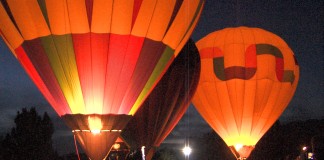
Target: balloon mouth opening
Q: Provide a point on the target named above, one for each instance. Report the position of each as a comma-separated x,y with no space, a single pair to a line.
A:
241,151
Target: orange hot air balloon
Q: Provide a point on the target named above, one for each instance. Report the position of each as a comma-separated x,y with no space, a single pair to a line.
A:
96,61
248,76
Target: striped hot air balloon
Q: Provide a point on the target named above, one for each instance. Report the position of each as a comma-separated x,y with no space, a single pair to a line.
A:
95,61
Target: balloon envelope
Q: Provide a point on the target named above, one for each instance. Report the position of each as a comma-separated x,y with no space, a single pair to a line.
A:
97,57
248,76
166,104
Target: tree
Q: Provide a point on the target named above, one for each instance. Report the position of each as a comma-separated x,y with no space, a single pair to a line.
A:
30,139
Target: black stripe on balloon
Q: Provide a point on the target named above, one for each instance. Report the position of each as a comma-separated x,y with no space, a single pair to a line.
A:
239,72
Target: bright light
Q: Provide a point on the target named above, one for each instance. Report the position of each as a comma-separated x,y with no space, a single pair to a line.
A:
186,150
238,147
116,146
304,148
143,152
94,124
95,131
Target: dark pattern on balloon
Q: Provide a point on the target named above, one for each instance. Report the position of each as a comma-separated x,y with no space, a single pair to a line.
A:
250,68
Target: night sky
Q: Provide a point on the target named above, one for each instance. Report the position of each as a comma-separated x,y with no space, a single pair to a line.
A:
300,23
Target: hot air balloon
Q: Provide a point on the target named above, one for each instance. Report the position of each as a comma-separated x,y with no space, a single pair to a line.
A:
248,76
96,61
166,104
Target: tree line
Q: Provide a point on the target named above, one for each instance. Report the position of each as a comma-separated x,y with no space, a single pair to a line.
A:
31,139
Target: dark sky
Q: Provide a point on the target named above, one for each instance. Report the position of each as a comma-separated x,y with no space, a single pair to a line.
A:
300,23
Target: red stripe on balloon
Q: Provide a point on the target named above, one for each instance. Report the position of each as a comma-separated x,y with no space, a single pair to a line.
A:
136,8
210,52
123,54
82,50
50,90
250,57
280,68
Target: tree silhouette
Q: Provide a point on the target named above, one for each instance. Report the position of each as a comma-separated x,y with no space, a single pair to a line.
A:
282,142
30,139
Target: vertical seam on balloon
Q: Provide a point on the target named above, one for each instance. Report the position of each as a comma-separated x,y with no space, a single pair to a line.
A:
56,78
265,101
149,24
262,101
254,104
68,17
194,18
227,127
243,51
229,97
259,105
274,107
106,66
92,75
119,74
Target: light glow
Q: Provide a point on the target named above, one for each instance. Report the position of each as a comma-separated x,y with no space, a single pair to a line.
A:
143,152
94,124
238,147
116,146
186,150
304,148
